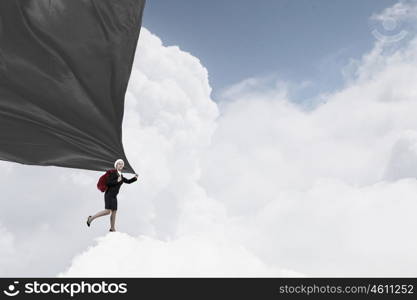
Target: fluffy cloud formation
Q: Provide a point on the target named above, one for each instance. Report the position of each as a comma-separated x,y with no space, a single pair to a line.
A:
403,10
169,120
6,250
121,255
330,190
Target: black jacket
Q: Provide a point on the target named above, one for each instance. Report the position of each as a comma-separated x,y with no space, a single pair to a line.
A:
114,186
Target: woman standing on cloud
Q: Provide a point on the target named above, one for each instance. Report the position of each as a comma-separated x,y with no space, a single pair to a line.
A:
114,181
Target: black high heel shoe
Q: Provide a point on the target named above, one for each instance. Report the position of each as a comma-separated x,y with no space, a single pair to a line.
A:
88,221
112,230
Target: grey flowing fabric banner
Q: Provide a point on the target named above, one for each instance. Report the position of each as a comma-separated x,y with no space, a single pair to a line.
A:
64,70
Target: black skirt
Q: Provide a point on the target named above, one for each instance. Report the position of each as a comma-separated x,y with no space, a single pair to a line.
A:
110,202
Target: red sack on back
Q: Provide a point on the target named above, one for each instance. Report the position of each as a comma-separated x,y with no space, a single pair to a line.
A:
102,182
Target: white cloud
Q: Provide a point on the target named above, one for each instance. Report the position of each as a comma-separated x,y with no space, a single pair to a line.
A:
121,255
402,10
6,250
321,191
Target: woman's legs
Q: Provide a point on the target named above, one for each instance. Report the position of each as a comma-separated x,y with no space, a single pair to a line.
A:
100,214
113,220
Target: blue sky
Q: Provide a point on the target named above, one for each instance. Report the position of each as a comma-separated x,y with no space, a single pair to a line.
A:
294,40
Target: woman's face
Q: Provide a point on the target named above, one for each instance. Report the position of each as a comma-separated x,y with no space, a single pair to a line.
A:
120,165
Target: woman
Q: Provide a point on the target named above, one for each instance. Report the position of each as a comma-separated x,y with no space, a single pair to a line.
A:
114,181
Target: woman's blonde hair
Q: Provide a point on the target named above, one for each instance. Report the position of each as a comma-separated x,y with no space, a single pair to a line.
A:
119,160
